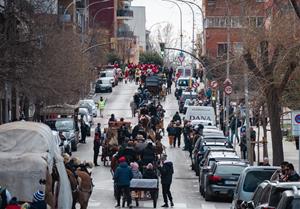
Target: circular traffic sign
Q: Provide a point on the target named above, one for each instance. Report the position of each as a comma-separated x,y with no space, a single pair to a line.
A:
297,118
228,90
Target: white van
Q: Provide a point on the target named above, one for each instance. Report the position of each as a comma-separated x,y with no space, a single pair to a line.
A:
184,71
201,113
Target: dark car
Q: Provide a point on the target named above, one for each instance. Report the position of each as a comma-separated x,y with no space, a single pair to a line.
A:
222,179
271,194
204,155
186,95
206,165
289,199
68,128
205,144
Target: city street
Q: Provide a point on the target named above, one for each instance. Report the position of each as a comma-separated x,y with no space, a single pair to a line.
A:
185,183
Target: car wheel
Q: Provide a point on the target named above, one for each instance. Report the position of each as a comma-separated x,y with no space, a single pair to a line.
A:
208,197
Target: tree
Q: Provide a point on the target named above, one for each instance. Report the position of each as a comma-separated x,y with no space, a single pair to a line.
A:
273,67
112,58
151,57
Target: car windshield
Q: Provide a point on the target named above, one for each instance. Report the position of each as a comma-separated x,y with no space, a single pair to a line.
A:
184,82
229,169
254,178
213,160
64,125
104,81
109,74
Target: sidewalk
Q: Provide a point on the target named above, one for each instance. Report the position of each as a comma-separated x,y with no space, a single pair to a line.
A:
290,153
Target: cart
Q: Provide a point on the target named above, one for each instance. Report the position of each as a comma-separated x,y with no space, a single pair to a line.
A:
146,185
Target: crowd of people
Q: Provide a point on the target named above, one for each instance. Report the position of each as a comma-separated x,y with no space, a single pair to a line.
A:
8,201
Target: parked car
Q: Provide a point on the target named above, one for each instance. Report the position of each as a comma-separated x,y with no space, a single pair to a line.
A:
111,74
203,146
222,179
271,194
205,165
256,195
91,103
104,85
69,130
290,199
185,96
249,179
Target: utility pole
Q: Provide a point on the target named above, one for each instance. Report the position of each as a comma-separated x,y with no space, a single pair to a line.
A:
227,66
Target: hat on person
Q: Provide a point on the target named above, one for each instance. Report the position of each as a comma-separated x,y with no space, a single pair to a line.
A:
122,159
149,166
134,166
38,196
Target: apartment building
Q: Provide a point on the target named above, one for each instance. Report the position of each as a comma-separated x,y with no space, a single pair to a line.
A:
223,24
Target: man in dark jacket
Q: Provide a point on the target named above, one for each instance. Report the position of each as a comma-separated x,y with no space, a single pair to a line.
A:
178,132
148,155
122,178
177,117
166,172
97,144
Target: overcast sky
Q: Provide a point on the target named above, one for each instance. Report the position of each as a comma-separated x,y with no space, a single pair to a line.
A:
166,12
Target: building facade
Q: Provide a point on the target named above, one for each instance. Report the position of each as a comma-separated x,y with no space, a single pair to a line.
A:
223,24
138,26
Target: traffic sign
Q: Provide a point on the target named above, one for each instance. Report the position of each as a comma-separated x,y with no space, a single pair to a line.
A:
214,84
227,82
228,90
181,57
297,118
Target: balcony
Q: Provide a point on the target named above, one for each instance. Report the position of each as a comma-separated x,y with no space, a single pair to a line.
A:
125,34
124,14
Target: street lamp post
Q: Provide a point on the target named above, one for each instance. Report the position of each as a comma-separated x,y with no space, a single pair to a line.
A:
65,12
193,28
203,20
181,36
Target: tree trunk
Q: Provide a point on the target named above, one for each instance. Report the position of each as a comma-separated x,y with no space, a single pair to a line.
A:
274,108
265,137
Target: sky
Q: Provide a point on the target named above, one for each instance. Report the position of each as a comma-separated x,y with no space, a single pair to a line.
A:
160,13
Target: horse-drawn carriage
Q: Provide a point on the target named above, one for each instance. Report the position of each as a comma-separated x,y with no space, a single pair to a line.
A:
154,84
110,145
31,161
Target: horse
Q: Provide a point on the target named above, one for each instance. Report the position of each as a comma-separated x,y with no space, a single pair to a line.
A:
81,189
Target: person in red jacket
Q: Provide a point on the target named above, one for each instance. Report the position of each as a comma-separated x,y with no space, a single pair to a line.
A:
13,204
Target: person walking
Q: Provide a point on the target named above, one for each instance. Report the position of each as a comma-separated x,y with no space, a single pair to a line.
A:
101,105
166,172
253,142
38,201
177,117
97,144
171,133
178,132
122,178
83,130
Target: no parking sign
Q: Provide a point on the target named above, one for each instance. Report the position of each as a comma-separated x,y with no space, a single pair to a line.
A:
296,123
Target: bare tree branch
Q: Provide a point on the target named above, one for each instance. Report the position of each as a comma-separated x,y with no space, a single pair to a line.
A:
292,67
251,65
296,7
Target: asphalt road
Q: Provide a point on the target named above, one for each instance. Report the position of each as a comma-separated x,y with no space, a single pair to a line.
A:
185,184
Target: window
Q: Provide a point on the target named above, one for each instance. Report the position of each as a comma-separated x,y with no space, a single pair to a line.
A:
260,1
222,49
237,48
229,169
259,21
223,22
254,178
